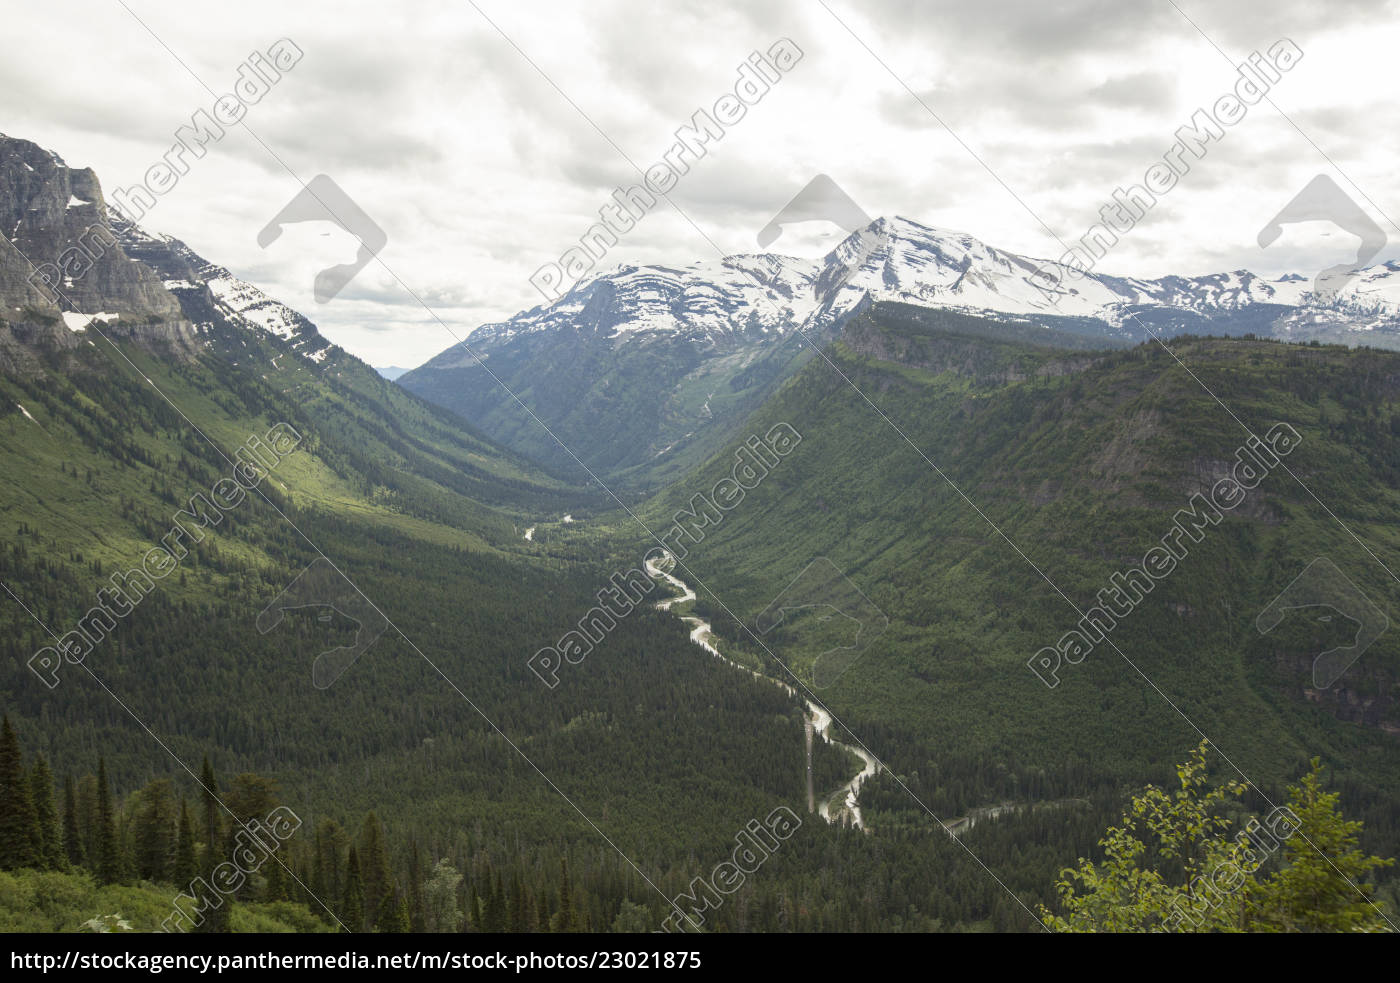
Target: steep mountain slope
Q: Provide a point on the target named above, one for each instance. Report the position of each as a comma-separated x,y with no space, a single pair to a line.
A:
614,792
79,281
642,370
1036,471
114,428
628,370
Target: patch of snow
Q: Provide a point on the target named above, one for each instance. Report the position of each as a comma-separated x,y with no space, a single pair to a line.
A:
79,322
252,305
894,259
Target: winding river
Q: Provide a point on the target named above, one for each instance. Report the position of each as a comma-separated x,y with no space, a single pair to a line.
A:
842,805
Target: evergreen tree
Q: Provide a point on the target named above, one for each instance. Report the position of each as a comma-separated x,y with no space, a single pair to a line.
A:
328,871
126,859
393,915
299,889
72,835
87,818
494,911
209,799
476,911
352,903
251,797
374,869
516,918
415,888
51,852
1323,884
276,878
185,867
216,921
19,823
107,859
153,846
566,918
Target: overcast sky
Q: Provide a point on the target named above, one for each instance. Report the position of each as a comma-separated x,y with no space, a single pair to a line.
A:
479,170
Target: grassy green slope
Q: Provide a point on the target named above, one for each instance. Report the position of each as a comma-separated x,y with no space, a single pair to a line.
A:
370,450
1060,467
669,755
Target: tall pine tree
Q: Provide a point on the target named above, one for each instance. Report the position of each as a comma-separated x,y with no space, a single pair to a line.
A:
72,835
19,824
218,919
393,915
107,862
154,825
567,918
352,903
51,852
415,888
374,870
209,801
186,865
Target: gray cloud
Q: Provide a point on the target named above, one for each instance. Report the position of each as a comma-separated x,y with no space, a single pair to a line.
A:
480,170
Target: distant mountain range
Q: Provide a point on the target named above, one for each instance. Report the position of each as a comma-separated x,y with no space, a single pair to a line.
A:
1042,466
637,374
671,356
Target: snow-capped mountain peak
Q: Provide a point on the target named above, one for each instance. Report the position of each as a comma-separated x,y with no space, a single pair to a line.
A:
718,302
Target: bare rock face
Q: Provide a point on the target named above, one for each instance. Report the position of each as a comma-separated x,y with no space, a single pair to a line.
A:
60,256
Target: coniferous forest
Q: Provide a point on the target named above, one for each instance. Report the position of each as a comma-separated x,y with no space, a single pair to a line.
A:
440,786
938,622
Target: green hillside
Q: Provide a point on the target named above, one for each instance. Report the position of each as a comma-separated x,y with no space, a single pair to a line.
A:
652,755
1067,467
594,804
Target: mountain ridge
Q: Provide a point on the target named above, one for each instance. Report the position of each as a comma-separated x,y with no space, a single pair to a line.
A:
899,260
675,356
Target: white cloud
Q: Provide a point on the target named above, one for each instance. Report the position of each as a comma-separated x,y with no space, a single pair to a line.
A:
479,170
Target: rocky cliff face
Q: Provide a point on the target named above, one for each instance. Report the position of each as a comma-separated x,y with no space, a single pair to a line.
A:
1368,695
66,262
63,264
